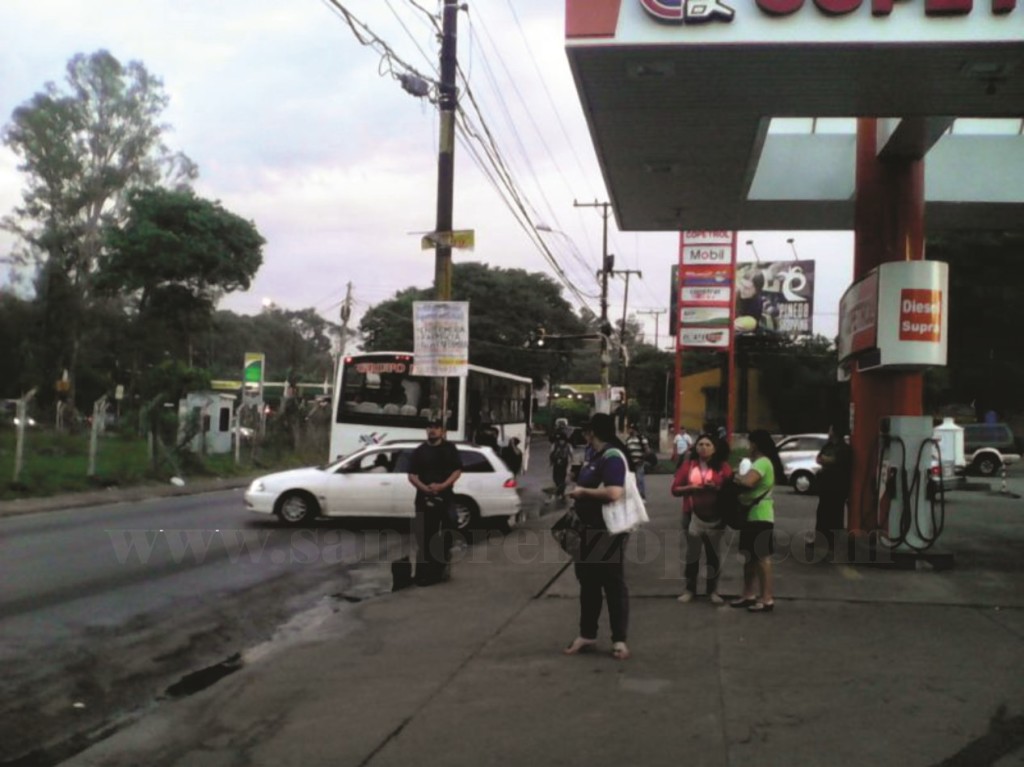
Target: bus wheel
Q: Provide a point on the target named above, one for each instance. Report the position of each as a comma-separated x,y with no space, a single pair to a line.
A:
297,507
465,512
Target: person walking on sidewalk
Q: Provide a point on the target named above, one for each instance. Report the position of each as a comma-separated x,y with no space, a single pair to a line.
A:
682,443
757,535
600,569
560,458
638,447
434,469
698,480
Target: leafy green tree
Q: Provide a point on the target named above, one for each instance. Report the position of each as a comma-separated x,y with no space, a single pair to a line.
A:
507,307
298,343
798,378
82,148
170,262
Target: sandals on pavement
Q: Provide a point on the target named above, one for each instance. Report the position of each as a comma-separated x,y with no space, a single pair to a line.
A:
761,607
580,645
743,602
620,651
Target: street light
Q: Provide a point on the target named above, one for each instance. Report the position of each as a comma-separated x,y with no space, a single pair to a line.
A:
793,247
757,258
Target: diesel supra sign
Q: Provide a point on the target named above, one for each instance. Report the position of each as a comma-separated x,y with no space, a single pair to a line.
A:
920,315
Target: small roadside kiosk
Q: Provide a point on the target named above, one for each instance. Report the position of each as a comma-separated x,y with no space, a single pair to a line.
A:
798,115
211,412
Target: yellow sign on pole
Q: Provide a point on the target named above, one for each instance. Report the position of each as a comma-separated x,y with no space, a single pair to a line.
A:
460,239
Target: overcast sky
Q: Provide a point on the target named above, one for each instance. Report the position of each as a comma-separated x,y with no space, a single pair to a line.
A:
293,126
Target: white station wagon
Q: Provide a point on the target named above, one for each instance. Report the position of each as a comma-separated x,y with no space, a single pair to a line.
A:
374,482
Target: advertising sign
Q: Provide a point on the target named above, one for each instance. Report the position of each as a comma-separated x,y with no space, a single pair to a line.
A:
858,316
704,296
706,269
775,297
705,338
913,313
710,317
896,317
440,338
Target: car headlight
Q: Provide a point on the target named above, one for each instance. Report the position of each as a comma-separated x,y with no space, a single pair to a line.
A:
257,486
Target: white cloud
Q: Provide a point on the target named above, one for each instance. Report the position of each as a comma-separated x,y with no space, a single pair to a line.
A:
294,126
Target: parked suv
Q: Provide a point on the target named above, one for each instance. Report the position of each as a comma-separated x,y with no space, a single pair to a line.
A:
988,447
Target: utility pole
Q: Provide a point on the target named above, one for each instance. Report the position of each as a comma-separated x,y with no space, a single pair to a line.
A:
607,263
346,314
656,313
622,333
446,153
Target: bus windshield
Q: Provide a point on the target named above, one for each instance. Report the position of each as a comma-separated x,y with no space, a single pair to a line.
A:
381,390
379,399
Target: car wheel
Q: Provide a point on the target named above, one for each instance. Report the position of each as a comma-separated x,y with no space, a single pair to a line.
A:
297,507
802,482
987,465
465,512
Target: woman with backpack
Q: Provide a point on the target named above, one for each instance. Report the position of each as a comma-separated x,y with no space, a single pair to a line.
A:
697,481
757,533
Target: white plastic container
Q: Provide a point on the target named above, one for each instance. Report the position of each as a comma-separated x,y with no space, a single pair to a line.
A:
951,443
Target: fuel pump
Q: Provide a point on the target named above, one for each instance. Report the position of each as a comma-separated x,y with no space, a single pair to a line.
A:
910,518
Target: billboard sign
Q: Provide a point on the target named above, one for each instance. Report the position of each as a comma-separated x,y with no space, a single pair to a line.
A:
775,298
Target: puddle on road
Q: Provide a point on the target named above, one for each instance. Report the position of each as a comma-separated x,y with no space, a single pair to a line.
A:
199,680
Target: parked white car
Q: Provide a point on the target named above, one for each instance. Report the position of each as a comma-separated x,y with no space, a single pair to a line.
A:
798,454
374,482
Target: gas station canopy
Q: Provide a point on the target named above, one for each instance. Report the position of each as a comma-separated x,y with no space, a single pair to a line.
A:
740,114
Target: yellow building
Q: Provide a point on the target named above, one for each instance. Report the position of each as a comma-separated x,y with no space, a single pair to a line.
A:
701,402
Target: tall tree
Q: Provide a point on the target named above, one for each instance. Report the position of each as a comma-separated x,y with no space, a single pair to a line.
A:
506,309
83,148
172,259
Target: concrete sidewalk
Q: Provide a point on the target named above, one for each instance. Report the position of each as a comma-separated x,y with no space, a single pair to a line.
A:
857,665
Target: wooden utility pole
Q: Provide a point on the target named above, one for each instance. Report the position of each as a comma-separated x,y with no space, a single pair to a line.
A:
623,361
657,313
607,264
446,153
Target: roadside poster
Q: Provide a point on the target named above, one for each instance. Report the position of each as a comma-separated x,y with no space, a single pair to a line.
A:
440,338
775,298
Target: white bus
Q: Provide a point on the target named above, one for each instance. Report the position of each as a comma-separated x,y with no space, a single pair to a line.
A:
377,398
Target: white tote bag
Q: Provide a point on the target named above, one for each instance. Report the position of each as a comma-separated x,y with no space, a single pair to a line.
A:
627,513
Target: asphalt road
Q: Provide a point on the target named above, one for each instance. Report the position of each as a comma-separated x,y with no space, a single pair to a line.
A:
106,610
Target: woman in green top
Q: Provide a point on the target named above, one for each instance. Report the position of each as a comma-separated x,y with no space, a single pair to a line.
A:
757,536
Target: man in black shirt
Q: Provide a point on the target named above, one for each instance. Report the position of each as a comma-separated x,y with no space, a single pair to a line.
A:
433,471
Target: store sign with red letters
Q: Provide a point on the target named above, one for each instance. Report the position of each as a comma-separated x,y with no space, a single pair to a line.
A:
704,11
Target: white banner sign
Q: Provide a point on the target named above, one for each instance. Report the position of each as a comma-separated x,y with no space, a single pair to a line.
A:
705,316
440,338
706,295
709,338
707,255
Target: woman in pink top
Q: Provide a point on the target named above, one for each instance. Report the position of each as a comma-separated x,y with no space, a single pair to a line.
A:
698,479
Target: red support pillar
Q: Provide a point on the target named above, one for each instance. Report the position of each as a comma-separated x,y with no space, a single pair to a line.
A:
888,226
